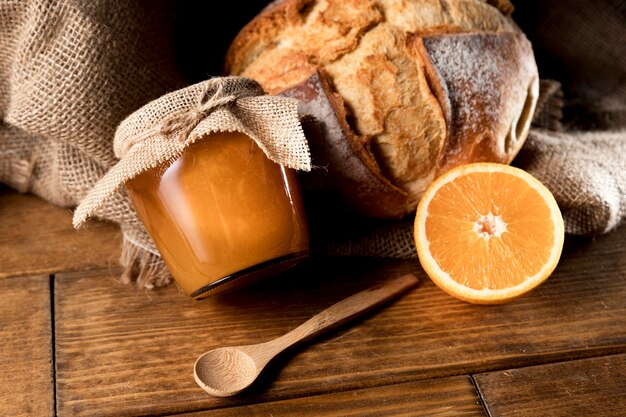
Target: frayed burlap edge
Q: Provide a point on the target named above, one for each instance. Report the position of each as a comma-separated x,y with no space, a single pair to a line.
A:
147,269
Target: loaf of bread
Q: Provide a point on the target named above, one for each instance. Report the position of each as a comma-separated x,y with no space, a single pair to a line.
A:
395,92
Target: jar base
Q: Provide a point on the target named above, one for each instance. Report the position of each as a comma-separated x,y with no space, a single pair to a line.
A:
252,274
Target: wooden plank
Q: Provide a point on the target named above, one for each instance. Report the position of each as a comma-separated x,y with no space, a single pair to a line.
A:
38,238
123,351
455,396
585,387
26,382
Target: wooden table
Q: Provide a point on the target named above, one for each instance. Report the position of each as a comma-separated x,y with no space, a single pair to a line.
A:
75,342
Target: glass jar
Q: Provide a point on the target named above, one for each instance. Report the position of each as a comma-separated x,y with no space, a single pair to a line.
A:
222,214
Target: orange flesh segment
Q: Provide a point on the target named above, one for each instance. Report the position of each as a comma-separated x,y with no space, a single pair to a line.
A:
495,262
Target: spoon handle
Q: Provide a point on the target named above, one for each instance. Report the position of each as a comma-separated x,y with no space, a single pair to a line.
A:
346,309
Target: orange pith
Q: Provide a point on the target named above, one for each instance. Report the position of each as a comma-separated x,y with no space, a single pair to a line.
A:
488,233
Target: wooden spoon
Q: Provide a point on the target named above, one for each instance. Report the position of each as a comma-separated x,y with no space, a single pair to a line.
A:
227,371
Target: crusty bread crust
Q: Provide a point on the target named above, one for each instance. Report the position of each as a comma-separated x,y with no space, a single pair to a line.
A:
349,168
418,86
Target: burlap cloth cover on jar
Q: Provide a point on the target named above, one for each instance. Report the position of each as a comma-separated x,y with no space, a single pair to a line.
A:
71,71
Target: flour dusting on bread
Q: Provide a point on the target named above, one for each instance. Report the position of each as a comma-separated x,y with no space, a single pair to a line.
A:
479,70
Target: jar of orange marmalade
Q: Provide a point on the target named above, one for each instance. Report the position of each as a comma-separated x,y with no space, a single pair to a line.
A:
222,214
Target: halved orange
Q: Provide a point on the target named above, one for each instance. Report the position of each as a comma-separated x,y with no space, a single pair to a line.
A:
487,233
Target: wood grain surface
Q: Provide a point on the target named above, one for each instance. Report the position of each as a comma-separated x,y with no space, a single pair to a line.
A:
26,376
37,237
585,387
122,351
455,396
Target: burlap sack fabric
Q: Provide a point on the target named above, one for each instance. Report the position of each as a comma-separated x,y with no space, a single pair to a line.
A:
72,71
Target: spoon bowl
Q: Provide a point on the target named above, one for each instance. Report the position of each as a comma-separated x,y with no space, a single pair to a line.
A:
227,371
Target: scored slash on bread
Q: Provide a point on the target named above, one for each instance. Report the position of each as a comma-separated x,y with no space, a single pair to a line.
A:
395,92
349,167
